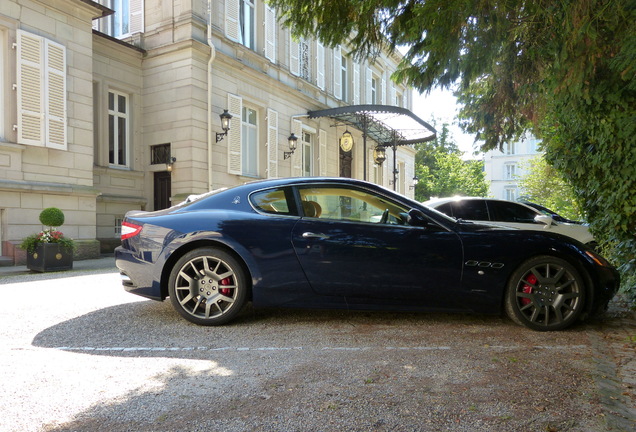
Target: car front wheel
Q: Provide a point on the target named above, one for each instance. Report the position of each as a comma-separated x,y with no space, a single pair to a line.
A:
208,286
545,293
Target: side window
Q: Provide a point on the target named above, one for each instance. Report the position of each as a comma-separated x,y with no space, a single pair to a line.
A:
511,212
272,201
445,208
470,210
349,204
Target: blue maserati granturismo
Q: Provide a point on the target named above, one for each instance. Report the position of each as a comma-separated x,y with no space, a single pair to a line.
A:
348,244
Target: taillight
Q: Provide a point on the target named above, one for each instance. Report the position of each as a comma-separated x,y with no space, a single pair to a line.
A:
129,230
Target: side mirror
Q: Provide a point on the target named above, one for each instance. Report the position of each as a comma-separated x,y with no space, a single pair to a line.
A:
417,218
544,219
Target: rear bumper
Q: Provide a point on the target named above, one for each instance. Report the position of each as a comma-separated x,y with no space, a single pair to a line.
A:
137,276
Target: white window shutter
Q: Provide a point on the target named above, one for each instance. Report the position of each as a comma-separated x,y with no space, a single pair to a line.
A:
320,66
270,34
55,96
232,10
234,160
337,77
294,58
296,158
356,83
272,143
30,71
322,152
136,16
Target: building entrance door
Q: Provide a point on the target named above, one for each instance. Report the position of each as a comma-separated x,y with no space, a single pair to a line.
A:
163,189
345,163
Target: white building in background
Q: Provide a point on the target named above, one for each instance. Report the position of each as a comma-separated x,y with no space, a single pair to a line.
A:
503,168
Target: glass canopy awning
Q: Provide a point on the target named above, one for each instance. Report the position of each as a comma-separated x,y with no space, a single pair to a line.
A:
387,125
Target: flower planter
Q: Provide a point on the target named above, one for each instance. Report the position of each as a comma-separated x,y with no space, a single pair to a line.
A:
50,257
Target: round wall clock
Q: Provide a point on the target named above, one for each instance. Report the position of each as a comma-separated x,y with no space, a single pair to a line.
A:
346,142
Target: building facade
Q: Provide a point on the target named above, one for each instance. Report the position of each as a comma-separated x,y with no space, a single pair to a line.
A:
113,105
504,168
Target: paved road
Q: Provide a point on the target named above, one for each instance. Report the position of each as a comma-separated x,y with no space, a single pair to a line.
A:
77,353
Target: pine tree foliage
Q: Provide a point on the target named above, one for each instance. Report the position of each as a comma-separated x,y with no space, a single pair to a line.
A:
565,70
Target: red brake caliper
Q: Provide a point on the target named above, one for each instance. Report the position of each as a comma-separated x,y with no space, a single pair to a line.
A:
527,289
225,291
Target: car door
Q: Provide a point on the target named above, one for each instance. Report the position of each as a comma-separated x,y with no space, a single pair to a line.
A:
358,244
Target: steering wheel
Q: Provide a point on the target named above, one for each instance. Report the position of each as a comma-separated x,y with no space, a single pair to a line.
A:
385,217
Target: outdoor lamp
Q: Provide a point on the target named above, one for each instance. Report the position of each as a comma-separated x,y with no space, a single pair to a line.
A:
170,163
416,180
225,125
292,141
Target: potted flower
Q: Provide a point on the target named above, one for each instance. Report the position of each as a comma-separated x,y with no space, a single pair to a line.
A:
49,250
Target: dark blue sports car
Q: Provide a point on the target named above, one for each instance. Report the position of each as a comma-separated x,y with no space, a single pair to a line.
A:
343,243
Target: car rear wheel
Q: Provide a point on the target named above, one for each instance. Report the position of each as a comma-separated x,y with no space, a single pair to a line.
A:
545,293
208,286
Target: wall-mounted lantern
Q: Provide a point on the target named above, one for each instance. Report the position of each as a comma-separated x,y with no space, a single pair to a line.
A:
293,142
416,180
225,125
379,155
170,163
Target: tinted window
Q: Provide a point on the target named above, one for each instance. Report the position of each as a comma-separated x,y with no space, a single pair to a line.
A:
470,210
350,204
445,208
271,201
510,212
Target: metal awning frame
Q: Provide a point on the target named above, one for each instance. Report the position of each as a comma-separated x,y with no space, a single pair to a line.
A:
373,122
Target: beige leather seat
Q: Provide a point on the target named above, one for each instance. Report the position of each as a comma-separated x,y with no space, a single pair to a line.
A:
312,209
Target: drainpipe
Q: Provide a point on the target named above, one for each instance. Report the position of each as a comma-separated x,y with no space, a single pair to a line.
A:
211,140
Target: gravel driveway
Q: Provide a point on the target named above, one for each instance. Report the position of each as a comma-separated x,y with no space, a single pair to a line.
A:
79,354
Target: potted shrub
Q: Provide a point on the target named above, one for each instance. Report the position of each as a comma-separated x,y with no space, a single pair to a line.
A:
49,250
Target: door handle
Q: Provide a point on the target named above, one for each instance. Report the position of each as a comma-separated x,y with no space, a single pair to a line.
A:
315,235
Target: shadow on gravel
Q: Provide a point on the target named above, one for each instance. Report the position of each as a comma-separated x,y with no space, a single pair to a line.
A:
470,387
153,329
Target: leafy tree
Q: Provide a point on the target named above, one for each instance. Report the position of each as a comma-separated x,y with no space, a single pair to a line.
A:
566,70
544,185
442,172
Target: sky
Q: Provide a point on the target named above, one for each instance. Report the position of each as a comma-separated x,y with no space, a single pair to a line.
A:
443,106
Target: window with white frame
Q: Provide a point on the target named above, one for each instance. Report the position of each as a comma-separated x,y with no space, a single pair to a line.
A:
308,153
118,128
128,18
510,193
374,90
510,171
249,142
510,148
247,23
304,56
344,79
